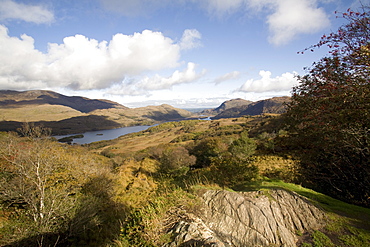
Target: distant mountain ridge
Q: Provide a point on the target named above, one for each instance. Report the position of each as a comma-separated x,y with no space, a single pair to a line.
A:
276,105
37,97
227,105
75,114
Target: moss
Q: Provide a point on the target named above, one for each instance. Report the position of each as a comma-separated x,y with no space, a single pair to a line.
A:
306,245
321,240
356,237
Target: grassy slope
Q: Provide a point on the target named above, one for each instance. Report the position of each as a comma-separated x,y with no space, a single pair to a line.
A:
142,115
69,115
34,113
162,134
348,224
46,112
155,201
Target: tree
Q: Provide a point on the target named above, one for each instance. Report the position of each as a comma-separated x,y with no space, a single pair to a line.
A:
33,173
46,182
329,115
233,166
243,147
208,148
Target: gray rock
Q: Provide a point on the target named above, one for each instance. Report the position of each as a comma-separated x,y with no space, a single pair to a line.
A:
261,218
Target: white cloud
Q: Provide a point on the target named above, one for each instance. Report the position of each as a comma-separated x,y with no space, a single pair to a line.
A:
286,19
19,62
190,39
81,63
294,17
178,77
266,83
30,13
157,82
226,77
91,64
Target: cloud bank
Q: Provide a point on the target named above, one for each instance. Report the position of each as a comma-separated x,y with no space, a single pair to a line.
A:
30,13
81,63
157,82
266,83
286,19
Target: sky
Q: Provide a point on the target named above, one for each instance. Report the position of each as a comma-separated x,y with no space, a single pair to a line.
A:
186,53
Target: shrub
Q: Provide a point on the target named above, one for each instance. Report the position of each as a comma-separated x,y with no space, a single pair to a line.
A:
207,149
176,160
234,166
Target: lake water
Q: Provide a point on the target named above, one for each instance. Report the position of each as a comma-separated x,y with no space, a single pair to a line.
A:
102,135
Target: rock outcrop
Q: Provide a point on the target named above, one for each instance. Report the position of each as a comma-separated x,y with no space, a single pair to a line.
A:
263,218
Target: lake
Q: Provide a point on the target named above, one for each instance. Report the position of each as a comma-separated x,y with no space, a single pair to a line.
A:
102,135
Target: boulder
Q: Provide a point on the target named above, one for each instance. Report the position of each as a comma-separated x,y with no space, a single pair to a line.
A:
261,218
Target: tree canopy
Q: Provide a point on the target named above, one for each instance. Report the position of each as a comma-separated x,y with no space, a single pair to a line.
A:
329,115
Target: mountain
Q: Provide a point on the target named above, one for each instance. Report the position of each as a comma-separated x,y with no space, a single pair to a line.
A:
74,114
10,98
229,104
276,105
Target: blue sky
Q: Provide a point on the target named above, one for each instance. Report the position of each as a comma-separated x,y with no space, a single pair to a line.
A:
186,53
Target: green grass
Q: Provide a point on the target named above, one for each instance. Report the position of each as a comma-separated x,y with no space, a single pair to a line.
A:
348,225
326,202
144,227
321,240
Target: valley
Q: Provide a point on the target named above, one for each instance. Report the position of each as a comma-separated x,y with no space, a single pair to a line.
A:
73,115
231,180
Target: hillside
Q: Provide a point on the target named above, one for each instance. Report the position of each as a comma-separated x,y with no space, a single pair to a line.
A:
74,114
264,212
274,105
227,105
174,184
18,99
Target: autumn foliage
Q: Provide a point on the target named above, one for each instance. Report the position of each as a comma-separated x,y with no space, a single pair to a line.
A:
329,116
54,195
